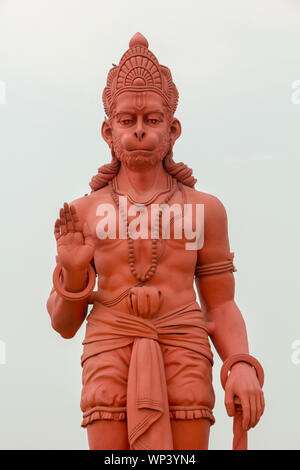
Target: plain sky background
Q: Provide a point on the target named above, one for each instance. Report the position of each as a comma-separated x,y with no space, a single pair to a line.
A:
234,63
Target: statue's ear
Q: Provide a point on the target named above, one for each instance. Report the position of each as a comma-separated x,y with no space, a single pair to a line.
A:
175,130
106,132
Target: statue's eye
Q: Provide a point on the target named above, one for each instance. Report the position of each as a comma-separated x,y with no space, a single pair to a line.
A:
126,122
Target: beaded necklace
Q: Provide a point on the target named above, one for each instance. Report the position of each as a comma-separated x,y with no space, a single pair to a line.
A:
150,199
154,259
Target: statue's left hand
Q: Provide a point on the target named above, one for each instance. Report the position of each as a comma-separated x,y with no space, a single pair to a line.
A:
243,383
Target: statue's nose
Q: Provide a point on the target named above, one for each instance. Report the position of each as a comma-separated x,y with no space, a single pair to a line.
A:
139,130
139,134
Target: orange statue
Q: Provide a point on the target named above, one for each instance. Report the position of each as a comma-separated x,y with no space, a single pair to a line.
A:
147,361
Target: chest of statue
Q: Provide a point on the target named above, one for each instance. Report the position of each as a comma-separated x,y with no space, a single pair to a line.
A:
180,223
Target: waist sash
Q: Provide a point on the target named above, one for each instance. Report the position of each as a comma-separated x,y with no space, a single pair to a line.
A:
147,400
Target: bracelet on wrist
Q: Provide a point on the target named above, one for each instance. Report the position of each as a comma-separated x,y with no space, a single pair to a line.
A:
232,360
73,296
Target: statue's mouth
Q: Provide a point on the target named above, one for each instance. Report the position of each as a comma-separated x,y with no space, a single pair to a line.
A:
140,150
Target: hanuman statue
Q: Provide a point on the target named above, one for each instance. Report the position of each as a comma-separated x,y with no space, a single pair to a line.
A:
147,361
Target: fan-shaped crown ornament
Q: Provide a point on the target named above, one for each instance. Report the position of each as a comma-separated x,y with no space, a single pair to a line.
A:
139,70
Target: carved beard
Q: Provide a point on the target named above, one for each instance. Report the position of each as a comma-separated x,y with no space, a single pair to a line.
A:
139,159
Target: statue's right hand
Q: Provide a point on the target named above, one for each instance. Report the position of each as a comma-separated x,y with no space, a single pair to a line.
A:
75,245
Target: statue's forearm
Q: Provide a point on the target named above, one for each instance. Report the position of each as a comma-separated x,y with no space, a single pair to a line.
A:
229,335
67,316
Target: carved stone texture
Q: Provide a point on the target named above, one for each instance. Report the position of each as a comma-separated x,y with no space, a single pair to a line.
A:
149,236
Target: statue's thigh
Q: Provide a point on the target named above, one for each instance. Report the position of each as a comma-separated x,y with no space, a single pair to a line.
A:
103,400
191,397
189,381
104,390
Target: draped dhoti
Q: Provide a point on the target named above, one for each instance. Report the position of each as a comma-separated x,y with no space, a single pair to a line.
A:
147,371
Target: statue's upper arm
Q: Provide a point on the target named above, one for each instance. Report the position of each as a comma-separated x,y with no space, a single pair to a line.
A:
215,281
216,243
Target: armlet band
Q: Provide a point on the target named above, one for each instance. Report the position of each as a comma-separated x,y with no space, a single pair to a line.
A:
216,268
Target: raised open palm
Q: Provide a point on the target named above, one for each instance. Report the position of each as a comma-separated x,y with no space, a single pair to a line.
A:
75,246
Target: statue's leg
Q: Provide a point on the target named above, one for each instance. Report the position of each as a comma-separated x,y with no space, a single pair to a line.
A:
191,397
190,434
112,435
103,399
108,435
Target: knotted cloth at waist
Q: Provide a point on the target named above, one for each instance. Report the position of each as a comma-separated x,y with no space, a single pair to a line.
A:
147,400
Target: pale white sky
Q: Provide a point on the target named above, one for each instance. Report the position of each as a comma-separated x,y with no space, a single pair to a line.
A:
234,64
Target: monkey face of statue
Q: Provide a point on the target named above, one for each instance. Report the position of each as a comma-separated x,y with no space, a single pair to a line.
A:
140,129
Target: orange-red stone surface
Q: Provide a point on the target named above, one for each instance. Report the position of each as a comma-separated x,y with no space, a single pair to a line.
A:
147,362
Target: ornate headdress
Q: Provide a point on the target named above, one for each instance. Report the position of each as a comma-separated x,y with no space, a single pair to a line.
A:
139,70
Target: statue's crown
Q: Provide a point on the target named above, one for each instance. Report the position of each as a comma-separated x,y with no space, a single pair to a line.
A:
139,70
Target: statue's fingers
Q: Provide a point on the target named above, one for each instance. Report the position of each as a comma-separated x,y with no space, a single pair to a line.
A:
75,218
253,410
229,401
88,239
57,233
68,218
259,410
63,224
262,401
246,412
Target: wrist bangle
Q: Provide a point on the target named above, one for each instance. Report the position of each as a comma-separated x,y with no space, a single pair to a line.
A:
232,360
73,296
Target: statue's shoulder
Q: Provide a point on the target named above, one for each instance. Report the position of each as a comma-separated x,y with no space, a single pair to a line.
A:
82,204
195,196
212,204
